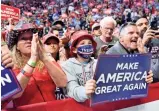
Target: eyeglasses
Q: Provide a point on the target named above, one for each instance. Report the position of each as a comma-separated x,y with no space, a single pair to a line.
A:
124,25
107,28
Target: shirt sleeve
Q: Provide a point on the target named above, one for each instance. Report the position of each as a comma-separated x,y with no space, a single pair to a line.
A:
74,90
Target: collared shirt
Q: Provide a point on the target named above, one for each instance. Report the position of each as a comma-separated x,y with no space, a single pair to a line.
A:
118,48
128,51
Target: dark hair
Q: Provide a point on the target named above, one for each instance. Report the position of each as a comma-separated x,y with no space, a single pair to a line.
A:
137,18
57,56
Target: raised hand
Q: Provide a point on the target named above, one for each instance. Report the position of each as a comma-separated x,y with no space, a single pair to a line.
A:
34,48
140,46
43,55
157,33
148,35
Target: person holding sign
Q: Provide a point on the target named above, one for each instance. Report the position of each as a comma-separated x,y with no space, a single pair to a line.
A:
129,43
6,57
36,73
80,68
6,61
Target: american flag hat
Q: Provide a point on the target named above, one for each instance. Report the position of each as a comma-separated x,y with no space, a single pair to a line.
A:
21,27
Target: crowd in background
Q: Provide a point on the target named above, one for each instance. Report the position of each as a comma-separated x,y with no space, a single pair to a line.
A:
51,32
82,14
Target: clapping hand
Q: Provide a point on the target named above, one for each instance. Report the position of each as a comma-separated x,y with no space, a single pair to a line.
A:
43,55
34,49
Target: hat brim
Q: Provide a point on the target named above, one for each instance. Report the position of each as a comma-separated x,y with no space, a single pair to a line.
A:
84,37
24,30
14,34
53,37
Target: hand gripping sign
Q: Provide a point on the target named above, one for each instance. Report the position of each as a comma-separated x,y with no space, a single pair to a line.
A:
121,77
9,84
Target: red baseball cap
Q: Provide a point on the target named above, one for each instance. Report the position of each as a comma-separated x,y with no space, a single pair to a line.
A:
50,35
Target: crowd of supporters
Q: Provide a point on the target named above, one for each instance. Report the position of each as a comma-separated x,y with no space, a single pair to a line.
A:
54,47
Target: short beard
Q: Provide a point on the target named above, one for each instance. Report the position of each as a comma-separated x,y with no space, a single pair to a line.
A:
142,32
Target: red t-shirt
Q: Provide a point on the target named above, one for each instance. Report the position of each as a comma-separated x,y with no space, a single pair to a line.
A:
40,88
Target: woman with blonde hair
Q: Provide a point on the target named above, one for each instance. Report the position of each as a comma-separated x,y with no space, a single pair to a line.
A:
37,74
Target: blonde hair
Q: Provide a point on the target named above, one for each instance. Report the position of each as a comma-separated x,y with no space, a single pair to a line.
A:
20,61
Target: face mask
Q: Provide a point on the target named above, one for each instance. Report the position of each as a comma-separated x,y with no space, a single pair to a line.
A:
85,51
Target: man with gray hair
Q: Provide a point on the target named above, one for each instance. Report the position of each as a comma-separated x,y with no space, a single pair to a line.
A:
106,40
129,41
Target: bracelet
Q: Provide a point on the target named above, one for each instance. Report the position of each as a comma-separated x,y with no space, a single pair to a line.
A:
31,64
26,74
3,43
